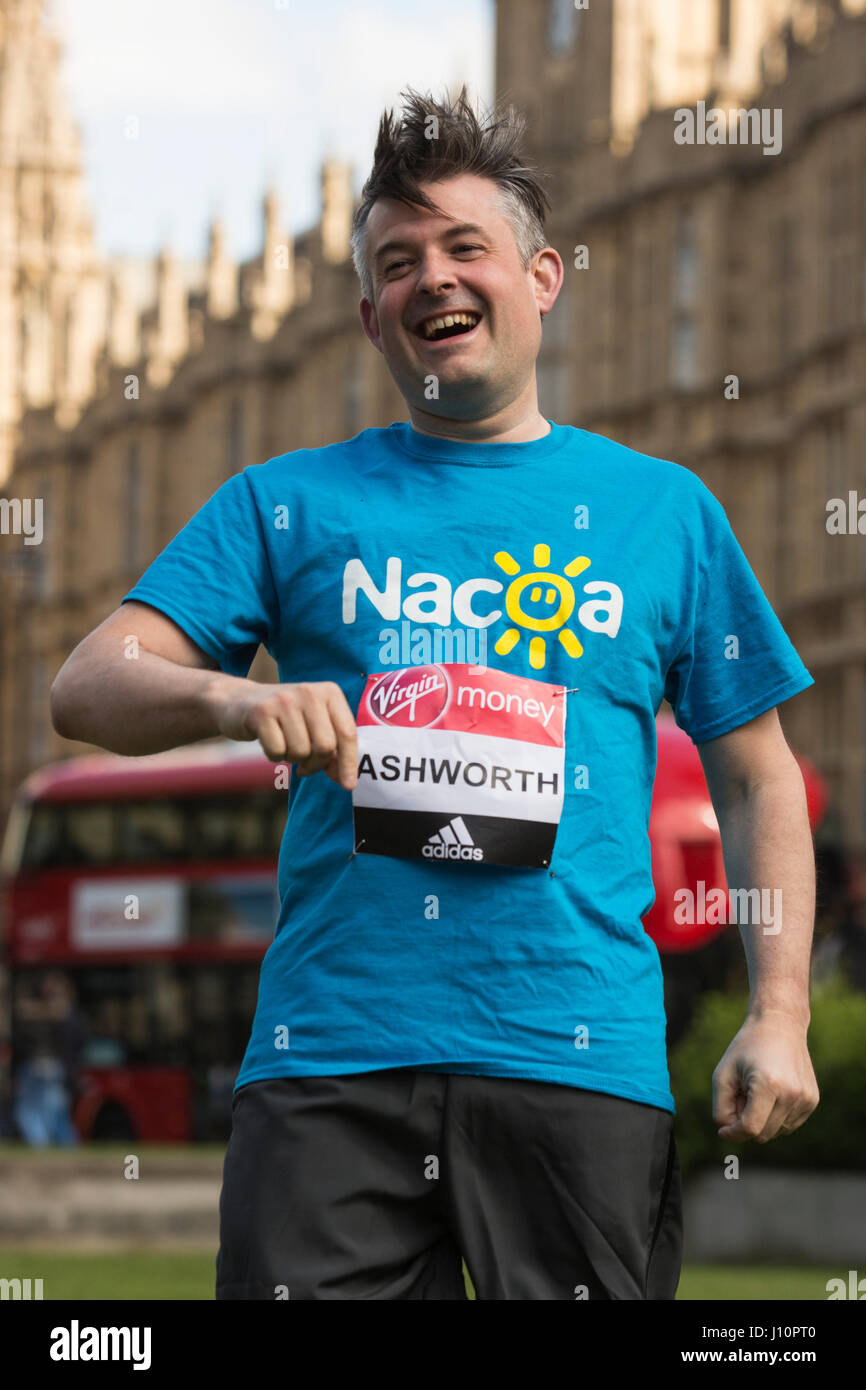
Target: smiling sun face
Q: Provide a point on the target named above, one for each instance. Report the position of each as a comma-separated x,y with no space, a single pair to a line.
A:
544,589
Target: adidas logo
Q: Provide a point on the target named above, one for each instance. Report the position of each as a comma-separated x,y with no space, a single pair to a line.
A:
453,841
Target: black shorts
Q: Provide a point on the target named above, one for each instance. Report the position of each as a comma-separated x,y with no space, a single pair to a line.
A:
374,1185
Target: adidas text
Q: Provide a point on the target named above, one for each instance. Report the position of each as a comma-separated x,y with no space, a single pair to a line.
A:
453,852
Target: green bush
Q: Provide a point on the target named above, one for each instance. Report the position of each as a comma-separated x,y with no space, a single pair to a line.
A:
834,1136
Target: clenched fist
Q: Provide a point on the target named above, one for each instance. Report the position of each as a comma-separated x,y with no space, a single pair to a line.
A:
309,724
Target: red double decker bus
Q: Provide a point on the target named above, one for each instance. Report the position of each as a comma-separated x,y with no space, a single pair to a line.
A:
149,886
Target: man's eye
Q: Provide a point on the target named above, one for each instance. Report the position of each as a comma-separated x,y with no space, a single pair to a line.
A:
466,246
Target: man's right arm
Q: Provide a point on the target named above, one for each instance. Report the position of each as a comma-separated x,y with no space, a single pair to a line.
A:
171,692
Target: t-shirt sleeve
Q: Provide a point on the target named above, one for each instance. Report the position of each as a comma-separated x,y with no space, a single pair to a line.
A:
737,660
214,579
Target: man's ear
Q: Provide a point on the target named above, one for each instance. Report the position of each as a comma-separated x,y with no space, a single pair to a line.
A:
549,273
370,323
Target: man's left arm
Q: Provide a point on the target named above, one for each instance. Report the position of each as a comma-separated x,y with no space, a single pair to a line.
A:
765,1084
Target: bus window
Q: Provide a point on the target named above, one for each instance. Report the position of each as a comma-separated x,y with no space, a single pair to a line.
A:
170,1007
276,825
44,841
228,829
90,833
231,908
222,1003
102,833
138,1024
15,838
102,1052
135,1015
60,835
151,831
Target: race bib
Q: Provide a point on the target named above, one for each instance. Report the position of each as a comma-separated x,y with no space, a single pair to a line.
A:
459,762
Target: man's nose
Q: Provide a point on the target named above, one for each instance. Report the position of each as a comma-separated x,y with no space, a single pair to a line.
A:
435,274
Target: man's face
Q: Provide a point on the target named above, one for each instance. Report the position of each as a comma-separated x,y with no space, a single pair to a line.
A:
426,265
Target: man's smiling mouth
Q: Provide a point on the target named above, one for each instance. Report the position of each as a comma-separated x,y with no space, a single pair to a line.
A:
453,325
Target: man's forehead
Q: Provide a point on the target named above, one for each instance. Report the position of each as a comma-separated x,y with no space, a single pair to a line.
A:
477,203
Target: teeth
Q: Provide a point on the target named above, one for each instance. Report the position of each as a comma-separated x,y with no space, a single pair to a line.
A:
448,321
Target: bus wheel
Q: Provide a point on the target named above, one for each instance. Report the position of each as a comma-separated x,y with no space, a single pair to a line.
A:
112,1123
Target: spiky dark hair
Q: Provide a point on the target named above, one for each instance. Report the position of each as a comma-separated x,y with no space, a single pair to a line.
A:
406,155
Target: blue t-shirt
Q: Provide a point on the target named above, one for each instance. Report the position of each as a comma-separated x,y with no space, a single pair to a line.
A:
344,561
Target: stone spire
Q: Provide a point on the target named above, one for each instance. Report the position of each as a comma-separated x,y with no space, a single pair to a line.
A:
270,282
222,275
124,338
168,339
336,210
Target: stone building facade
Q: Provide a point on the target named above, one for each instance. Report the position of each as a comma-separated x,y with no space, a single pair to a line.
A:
53,289
713,312
700,263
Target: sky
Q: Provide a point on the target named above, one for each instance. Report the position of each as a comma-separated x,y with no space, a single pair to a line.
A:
231,96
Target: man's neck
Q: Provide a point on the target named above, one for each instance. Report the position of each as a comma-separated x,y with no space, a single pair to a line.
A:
507,427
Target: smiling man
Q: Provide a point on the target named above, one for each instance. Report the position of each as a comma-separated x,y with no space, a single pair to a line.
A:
475,341
459,1044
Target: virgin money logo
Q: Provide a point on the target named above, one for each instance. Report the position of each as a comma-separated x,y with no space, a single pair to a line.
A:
413,697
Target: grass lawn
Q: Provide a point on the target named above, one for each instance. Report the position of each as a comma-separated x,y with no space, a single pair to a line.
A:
135,1274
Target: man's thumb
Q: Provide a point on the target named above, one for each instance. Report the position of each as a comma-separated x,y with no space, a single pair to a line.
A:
727,1099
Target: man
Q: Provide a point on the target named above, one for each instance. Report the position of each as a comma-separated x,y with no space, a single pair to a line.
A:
459,1044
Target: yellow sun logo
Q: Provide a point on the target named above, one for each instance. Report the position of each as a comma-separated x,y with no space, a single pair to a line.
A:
553,587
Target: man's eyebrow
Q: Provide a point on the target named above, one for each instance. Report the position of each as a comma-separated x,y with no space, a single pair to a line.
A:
461,229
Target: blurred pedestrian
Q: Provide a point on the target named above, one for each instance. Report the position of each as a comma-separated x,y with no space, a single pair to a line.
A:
48,1034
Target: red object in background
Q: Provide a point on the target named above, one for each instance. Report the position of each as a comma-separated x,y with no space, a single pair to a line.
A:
181,983
156,1100
817,794
685,840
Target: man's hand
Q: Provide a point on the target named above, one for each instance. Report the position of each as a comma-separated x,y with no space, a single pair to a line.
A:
175,693
309,724
765,1084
